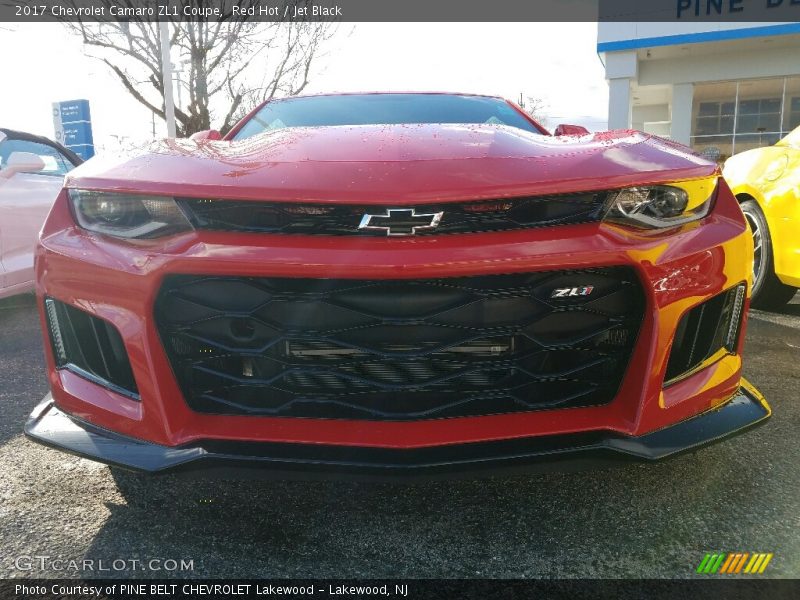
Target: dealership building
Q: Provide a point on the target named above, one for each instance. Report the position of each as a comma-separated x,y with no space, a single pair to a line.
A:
720,88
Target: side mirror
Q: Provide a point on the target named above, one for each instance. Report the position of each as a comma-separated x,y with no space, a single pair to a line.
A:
206,134
22,162
571,130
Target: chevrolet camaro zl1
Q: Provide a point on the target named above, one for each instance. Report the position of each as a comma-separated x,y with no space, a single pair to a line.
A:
394,284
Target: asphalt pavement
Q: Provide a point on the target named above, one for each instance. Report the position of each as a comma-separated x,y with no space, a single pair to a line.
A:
637,521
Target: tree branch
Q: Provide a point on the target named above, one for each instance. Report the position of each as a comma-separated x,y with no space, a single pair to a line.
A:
233,64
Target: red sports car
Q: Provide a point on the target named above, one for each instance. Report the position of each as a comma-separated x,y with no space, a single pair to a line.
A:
394,284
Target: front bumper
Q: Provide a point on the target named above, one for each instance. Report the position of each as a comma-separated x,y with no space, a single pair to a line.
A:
120,283
49,426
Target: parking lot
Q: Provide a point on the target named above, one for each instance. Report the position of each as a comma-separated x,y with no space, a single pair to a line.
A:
638,521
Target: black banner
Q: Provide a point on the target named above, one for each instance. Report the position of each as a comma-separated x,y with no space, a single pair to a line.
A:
403,10
574,589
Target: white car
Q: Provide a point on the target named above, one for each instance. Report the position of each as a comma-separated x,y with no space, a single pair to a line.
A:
32,170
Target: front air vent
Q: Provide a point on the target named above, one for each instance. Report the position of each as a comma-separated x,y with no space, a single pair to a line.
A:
704,331
89,347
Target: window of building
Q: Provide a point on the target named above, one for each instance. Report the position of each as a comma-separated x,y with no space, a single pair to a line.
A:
713,116
731,117
791,114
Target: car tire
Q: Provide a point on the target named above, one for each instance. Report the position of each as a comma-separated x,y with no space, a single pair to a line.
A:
768,291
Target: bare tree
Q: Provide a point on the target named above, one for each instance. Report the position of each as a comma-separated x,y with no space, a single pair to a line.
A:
233,64
535,107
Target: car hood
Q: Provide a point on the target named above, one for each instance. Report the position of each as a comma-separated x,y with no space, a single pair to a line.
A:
399,164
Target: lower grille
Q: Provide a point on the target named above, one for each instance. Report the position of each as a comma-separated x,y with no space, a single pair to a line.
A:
400,349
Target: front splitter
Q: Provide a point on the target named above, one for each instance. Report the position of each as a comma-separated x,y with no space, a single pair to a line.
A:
52,427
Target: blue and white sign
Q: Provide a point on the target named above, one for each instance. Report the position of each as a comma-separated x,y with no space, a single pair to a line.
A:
73,126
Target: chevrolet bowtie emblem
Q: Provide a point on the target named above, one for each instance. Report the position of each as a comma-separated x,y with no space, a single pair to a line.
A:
400,221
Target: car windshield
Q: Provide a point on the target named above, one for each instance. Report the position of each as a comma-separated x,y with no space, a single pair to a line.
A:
55,163
383,109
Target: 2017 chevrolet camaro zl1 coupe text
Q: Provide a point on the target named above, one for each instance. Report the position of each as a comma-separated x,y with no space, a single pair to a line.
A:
394,284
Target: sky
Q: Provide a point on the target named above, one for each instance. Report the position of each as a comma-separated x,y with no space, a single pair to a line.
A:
554,62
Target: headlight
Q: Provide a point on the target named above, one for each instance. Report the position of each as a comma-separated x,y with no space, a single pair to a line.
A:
127,215
659,206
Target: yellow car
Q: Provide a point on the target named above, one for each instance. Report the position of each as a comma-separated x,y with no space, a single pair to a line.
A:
766,181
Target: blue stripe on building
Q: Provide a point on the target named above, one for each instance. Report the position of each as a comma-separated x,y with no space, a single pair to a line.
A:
695,38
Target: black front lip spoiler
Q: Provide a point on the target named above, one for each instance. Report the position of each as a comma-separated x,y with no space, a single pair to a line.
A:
51,427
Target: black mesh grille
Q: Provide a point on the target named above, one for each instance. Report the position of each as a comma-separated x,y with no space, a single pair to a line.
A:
398,349
466,217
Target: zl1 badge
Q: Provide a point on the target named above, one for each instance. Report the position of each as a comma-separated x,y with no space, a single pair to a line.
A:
572,292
